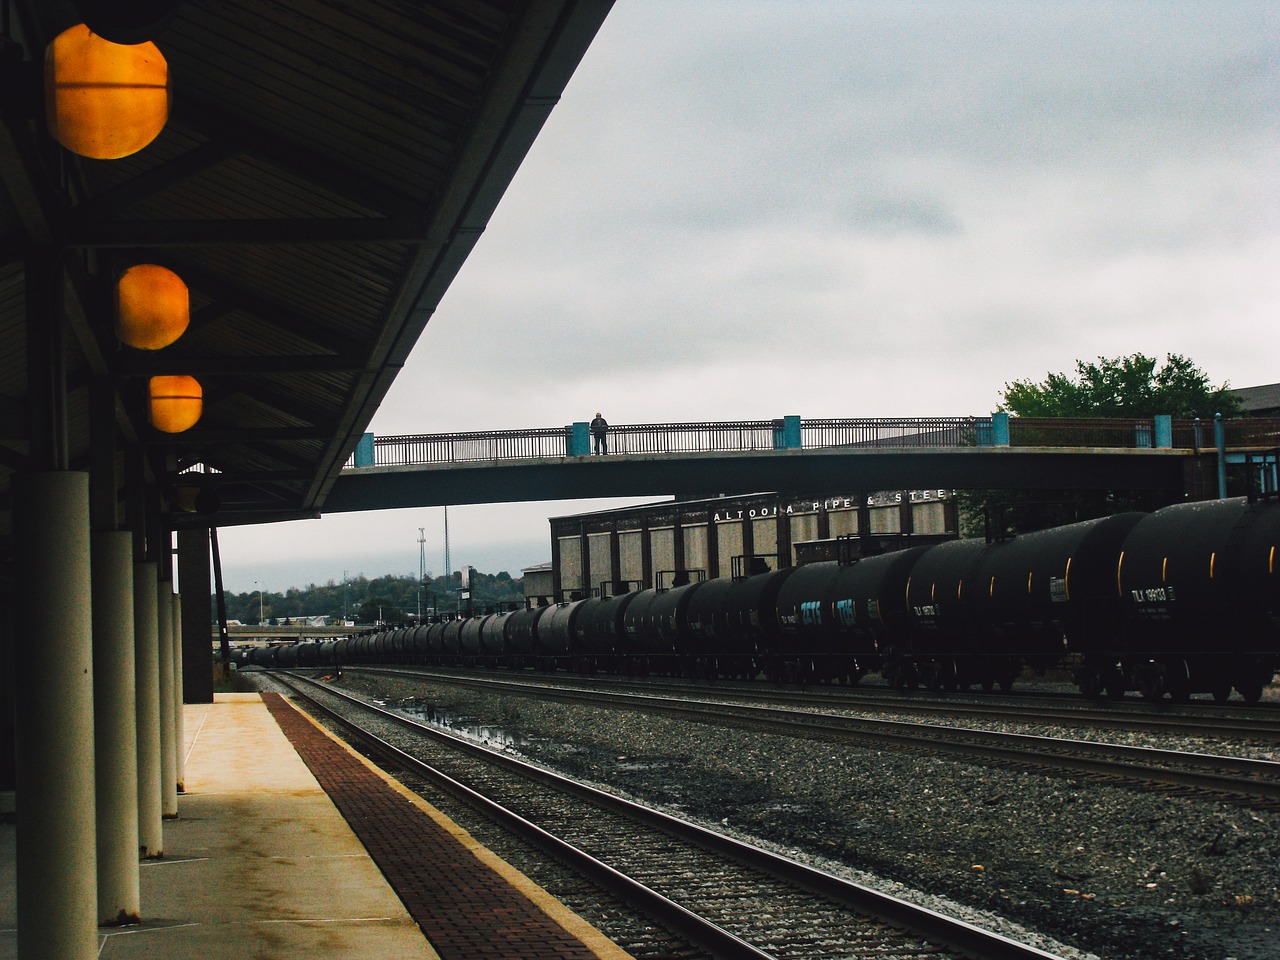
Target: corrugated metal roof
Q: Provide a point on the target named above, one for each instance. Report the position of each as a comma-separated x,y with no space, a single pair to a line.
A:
1259,401
326,169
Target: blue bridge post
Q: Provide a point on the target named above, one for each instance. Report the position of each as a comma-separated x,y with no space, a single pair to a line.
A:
1000,429
1220,441
578,439
364,451
786,433
1164,431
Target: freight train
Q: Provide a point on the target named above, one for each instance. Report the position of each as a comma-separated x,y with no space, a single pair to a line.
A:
1179,601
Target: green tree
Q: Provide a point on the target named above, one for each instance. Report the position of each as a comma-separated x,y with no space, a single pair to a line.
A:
1123,387
1133,386
360,598
380,609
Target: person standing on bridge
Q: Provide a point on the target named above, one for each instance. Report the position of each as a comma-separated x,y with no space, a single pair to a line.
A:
600,431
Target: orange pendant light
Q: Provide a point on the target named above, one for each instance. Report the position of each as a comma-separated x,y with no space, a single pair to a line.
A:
152,307
176,403
104,100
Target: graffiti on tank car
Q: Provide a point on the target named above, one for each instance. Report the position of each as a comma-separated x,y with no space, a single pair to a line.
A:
811,613
845,612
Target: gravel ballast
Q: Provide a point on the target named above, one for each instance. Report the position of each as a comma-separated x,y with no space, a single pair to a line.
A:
1122,874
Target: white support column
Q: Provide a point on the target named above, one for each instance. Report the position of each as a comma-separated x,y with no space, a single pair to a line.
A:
56,861
168,748
147,673
179,730
115,727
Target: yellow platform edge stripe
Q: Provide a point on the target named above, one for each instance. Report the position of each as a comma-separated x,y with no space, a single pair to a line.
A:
580,929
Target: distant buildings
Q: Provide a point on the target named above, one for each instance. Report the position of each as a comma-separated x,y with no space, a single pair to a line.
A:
1261,401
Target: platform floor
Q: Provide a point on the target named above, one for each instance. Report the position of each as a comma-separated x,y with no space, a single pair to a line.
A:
261,864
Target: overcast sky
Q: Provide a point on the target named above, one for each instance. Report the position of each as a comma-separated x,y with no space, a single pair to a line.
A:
742,210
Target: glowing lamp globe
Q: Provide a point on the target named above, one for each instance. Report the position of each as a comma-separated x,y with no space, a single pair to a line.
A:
104,100
152,307
175,403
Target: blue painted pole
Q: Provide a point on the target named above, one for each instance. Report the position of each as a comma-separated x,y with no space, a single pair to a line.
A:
1220,439
1164,431
786,433
364,451
1000,429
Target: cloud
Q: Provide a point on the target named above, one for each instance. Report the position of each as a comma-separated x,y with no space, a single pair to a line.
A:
847,208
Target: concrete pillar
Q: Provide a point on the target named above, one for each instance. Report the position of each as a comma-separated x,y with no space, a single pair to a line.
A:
147,675
56,856
168,746
179,735
8,697
115,727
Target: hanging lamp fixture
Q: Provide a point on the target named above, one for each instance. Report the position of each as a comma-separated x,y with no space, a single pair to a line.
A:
153,307
175,403
104,100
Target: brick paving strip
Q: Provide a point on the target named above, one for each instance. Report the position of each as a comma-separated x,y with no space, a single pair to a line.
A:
465,908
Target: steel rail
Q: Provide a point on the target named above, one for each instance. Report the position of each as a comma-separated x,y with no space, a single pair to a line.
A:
1261,778
720,942
956,934
1260,725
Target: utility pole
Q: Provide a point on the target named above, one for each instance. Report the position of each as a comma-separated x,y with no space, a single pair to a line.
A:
448,567
422,566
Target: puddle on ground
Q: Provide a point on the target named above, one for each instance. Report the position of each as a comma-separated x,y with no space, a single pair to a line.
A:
497,737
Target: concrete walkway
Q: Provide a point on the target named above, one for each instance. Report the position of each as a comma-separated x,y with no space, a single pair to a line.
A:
260,865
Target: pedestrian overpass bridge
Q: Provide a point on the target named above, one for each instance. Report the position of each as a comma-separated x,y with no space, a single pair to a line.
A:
800,456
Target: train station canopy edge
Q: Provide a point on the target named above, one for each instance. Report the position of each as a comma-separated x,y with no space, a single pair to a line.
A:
325,170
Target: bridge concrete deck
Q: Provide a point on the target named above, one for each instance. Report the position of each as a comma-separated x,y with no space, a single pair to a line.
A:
704,474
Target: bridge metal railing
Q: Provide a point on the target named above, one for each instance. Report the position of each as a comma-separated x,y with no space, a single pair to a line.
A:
477,445
795,433
733,435
896,432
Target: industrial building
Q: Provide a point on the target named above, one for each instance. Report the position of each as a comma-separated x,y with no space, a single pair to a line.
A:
649,545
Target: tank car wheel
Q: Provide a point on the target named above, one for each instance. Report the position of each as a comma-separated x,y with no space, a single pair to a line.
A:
1252,691
1221,692
1152,687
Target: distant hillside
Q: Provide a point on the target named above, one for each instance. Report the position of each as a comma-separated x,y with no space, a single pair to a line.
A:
391,599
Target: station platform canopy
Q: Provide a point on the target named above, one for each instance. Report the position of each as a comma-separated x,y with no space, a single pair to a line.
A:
324,171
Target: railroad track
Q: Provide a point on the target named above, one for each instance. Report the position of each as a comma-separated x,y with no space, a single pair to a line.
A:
1251,782
733,899
1258,722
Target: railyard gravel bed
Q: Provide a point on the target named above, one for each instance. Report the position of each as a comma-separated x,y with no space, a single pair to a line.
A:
1122,874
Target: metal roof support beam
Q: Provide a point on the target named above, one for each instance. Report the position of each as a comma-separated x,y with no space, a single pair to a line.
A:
198,365
111,203
226,296
123,234
320,169
196,436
